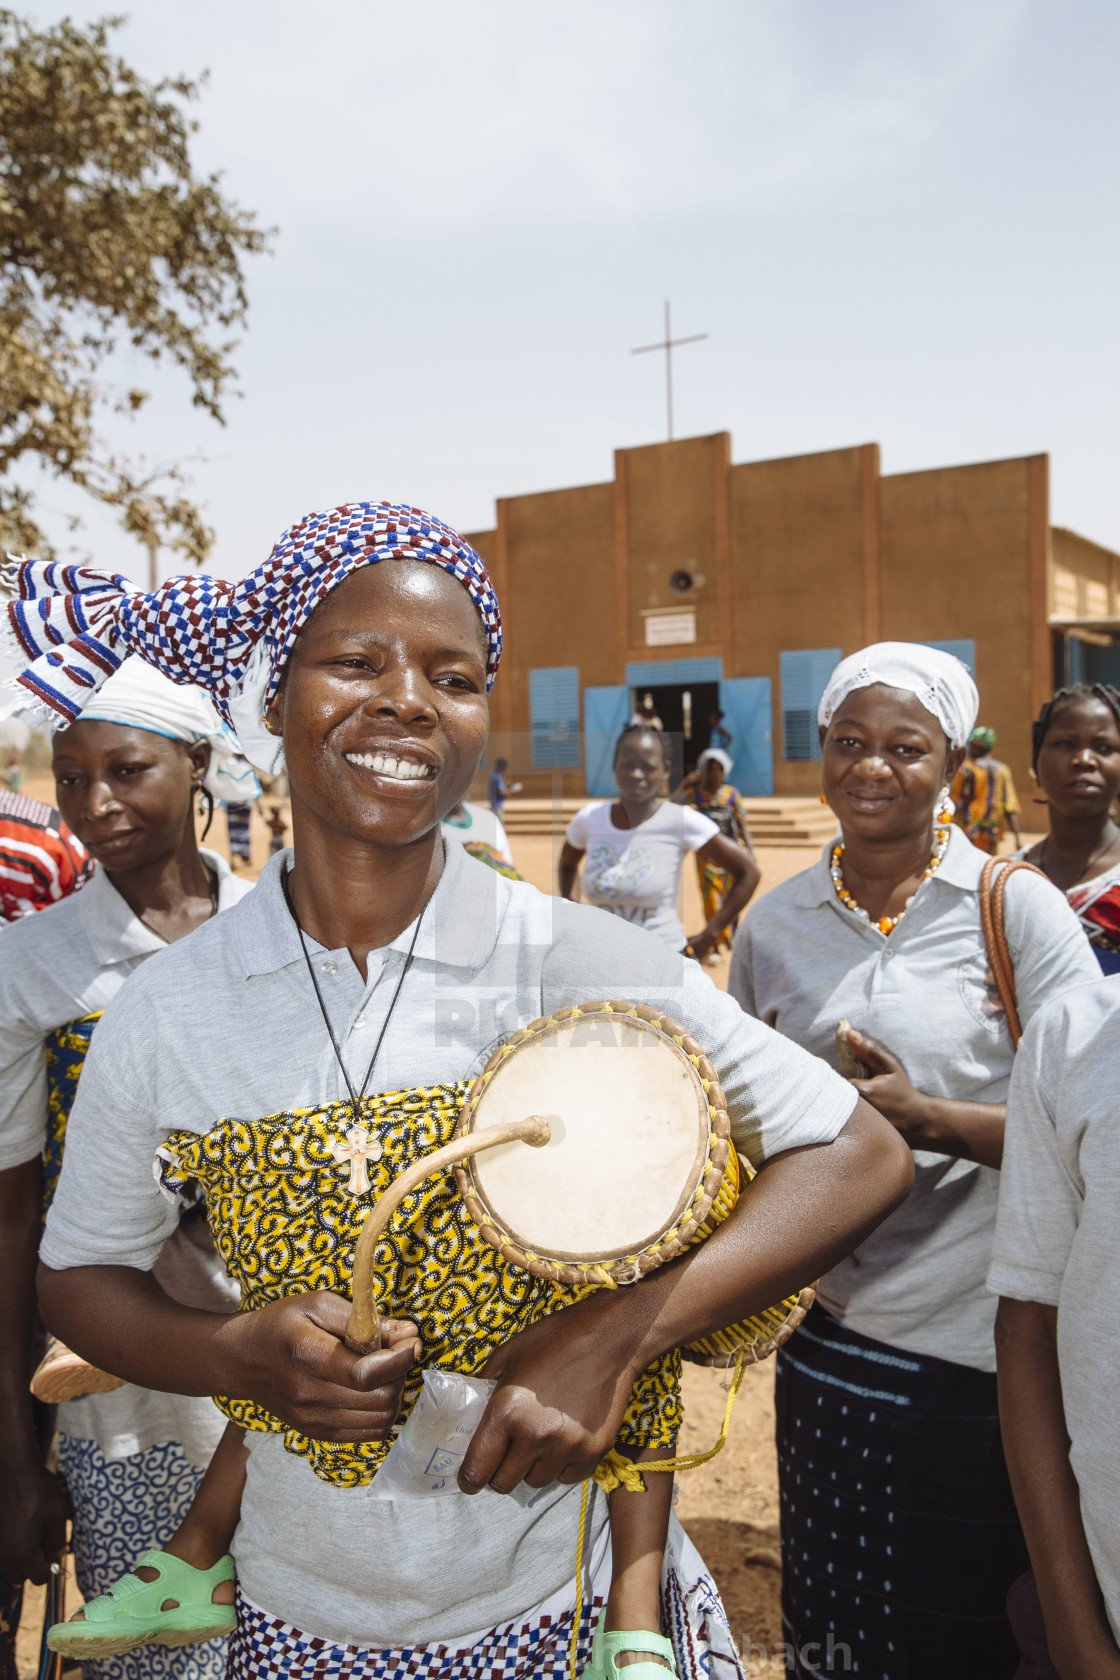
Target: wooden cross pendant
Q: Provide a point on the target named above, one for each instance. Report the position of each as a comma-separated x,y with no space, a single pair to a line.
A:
354,1153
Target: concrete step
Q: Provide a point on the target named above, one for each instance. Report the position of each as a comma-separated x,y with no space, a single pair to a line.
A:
790,822
539,816
773,822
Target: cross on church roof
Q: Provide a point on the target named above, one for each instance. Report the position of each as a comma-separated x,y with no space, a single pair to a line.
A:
668,344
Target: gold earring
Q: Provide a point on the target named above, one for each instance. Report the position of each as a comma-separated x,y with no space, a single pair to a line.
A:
823,799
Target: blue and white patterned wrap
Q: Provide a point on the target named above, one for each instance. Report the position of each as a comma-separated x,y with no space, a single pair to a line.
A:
74,625
123,1506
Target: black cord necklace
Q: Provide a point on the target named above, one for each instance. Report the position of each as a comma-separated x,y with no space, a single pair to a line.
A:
355,1097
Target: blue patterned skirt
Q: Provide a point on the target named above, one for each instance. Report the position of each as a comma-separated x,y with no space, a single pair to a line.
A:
121,1507
899,1531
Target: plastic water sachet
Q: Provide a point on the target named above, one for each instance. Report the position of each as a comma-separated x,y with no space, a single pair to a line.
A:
424,1459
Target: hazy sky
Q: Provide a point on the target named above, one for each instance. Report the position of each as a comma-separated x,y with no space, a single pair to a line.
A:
896,222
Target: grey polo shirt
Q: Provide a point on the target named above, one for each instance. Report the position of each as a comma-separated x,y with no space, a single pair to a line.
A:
802,962
232,1027
55,967
1058,1235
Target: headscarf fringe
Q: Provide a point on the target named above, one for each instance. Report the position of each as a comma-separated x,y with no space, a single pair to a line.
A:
17,701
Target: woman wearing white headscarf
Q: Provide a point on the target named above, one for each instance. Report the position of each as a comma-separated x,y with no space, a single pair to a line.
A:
708,791
899,1533
127,773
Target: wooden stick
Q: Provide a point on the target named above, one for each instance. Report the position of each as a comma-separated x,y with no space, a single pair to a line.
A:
363,1327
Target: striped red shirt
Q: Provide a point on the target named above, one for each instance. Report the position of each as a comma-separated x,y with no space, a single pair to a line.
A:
40,860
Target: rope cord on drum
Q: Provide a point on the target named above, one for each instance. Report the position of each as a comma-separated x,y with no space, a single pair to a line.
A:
581,1543
616,1470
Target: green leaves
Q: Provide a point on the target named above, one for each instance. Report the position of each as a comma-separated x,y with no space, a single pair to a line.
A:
107,237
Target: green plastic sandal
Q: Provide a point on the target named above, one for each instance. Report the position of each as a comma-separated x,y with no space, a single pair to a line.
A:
605,1647
130,1613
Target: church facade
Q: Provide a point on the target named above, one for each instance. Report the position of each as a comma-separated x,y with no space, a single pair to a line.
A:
727,587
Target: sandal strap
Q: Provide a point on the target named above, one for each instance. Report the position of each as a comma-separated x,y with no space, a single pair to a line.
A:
118,1593
652,1644
176,1572
175,1578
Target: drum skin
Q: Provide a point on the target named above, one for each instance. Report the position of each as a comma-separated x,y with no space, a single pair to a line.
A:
640,1164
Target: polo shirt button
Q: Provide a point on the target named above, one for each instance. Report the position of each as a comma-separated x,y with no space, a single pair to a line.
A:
329,967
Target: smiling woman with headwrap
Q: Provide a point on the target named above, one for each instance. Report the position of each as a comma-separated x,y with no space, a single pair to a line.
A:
899,1533
127,776
336,1016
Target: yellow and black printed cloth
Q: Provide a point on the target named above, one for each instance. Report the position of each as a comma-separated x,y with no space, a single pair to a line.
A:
286,1197
67,1048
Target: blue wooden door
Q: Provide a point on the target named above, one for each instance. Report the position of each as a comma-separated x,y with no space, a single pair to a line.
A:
748,717
606,712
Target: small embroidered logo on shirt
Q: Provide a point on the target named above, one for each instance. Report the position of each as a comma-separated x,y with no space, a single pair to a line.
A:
354,1153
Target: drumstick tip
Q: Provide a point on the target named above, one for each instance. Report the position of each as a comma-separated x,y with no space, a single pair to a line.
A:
538,1131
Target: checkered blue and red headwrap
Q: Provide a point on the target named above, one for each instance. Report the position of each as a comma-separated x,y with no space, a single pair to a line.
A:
74,625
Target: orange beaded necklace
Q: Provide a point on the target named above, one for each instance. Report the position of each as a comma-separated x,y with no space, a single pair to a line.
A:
885,924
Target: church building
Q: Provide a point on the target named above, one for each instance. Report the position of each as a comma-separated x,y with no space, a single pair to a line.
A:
736,587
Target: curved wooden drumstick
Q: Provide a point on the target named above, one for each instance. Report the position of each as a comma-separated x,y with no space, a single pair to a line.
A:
363,1327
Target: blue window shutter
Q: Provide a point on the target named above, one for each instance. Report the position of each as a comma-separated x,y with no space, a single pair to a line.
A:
606,712
964,650
805,675
554,717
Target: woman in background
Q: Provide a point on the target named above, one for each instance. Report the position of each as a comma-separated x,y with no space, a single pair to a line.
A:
634,848
238,814
708,791
983,794
1075,758
900,1537
127,777
479,831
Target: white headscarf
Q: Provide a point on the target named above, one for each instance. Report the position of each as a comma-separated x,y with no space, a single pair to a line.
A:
939,680
724,760
140,697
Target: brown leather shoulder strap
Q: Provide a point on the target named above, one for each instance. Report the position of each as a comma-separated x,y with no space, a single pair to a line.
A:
992,888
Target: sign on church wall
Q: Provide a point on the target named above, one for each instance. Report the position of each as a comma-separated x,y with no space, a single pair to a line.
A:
670,627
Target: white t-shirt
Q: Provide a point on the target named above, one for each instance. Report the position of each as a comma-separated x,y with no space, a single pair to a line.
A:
635,872
1058,1235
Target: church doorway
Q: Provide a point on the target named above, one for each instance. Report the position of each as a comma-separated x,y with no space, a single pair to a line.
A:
686,711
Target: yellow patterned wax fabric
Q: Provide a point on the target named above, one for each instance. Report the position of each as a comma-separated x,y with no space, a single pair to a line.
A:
285,1223
67,1048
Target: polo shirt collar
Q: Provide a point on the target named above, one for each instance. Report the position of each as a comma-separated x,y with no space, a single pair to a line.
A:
460,927
960,867
114,930
814,885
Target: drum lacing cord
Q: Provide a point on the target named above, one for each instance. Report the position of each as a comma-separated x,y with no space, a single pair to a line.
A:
581,1541
616,1470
